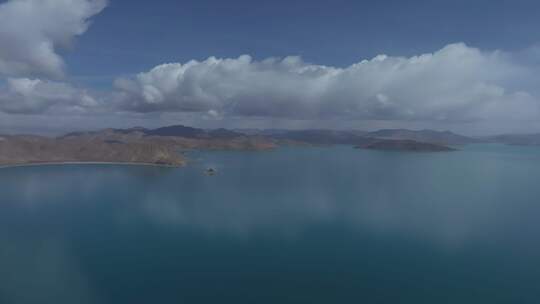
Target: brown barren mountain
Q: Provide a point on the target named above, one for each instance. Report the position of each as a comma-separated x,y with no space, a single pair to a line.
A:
119,146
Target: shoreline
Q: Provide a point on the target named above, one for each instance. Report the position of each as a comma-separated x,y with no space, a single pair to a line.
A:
7,166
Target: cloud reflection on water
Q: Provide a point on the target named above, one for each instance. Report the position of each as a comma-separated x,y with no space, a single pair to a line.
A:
449,198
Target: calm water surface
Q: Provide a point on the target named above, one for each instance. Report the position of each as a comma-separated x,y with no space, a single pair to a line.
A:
296,225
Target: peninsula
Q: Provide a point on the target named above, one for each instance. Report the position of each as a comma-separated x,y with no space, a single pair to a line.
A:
405,145
163,146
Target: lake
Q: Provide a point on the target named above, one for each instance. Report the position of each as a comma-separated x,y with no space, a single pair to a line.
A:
295,225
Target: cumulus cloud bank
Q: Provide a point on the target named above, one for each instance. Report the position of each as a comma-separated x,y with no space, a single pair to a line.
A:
31,31
457,83
30,96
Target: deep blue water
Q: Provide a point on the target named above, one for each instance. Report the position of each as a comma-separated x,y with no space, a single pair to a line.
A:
296,225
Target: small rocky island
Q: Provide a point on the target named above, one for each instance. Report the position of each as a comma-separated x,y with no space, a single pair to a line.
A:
405,145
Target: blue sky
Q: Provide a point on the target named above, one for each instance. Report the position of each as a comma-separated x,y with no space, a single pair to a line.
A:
134,35
468,66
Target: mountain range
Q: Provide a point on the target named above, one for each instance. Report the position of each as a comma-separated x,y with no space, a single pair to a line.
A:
164,145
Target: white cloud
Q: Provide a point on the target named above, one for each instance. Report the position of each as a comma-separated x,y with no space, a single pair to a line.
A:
455,84
457,87
29,96
31,31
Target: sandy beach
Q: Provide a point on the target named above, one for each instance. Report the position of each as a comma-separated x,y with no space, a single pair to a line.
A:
6,166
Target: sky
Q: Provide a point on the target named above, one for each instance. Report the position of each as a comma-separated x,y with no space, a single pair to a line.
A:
467,66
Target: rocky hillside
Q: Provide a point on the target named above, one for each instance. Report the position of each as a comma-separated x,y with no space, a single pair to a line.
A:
136,145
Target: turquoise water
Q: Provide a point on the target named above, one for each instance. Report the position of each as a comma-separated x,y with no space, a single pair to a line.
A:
296,225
